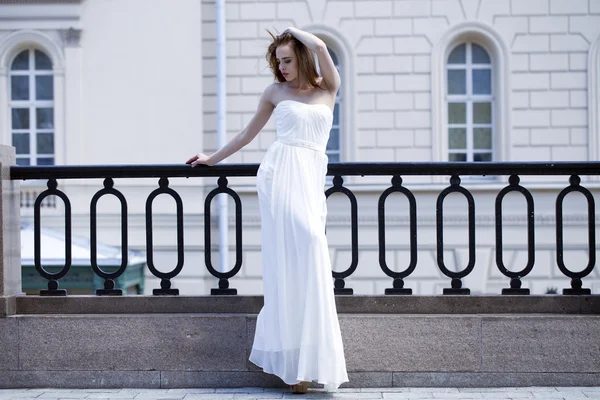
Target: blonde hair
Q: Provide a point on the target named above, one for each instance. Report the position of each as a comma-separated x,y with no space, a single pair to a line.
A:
307,68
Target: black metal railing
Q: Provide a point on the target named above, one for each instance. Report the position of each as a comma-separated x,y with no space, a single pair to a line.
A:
394,170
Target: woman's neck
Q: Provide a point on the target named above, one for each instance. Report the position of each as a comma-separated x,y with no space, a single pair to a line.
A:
300,85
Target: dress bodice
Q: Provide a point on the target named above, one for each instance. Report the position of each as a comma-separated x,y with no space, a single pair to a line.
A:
303,124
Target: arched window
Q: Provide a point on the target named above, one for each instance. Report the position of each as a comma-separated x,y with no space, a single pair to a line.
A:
469,104
470,86
31,104
334,143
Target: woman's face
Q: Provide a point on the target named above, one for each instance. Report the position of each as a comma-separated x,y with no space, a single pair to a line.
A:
286,60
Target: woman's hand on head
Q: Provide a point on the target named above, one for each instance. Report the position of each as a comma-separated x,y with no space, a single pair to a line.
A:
200,158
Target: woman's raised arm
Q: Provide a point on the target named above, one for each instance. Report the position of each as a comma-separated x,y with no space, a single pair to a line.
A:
259,120
326,64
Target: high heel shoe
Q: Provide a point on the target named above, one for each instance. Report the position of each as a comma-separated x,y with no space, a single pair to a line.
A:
300,388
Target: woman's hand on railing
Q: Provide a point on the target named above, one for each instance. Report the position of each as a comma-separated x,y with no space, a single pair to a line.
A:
200,158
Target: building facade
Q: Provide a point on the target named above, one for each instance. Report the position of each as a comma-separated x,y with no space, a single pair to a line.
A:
134,82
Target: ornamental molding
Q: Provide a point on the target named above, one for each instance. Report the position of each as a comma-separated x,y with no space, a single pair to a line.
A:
20,40
54,14
70,37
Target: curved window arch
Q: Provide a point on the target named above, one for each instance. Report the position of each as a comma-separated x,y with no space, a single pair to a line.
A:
486,105
469,103
31,105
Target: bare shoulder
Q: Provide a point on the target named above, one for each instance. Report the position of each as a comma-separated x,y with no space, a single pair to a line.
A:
274,91
270,93
277,92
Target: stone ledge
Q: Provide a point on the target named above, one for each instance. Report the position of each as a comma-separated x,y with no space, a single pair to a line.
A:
483,379
80,379
548,304
200,379
8,306
158,342
382,350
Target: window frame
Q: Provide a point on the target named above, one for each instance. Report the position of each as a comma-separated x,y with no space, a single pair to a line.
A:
32,104
492,41
469,98
10,47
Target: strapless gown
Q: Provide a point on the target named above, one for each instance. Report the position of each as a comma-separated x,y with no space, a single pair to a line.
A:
297,333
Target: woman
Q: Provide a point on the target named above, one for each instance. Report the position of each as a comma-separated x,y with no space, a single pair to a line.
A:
297,331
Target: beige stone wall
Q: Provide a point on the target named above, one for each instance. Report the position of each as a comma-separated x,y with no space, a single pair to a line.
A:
388,46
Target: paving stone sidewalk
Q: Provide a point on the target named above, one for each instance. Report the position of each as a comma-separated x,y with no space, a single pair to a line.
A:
520,393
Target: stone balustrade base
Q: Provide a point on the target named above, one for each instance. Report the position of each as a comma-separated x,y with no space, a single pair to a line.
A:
179,342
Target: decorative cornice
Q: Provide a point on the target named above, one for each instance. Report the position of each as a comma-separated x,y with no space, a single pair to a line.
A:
58,14
70,37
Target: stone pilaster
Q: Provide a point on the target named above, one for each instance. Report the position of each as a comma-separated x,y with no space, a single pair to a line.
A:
10,237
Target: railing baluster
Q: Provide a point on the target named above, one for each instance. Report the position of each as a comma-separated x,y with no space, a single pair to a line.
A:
456,276
109,277
223,288
53,289
576,283
47,199
398,276
165,283
515,282
339,283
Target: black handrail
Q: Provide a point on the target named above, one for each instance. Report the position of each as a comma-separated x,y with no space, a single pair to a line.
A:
347,169
395,170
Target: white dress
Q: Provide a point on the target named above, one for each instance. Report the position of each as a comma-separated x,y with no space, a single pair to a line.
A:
297,331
